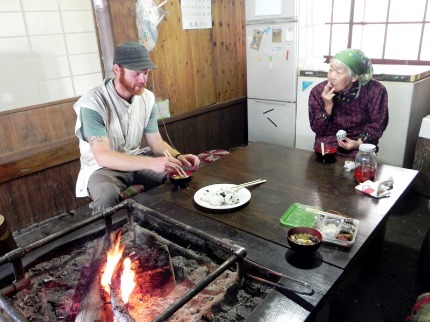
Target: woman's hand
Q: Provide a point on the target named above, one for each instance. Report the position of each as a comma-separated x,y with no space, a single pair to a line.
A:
327,96
349,144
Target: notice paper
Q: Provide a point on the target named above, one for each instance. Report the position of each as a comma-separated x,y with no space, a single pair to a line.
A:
256,39
276,34
163,110
196,14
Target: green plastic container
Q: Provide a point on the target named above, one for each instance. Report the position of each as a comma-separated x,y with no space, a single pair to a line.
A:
298,215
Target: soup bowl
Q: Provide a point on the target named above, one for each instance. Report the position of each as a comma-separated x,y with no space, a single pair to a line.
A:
329,154
304,240
178,180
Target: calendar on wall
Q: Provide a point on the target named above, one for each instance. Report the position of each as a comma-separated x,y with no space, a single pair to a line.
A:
196,14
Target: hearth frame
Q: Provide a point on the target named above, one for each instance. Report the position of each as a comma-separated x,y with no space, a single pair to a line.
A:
235,254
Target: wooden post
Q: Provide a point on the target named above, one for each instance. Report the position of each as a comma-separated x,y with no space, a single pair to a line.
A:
421,184
7,242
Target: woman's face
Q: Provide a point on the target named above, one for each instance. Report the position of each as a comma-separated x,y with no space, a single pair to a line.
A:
339,78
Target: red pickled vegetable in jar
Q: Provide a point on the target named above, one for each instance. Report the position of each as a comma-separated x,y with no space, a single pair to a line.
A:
365,163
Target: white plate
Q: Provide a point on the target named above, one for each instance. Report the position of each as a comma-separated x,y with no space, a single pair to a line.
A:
243,194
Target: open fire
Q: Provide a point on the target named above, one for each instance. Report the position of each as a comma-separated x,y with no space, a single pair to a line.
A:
135,275
114,255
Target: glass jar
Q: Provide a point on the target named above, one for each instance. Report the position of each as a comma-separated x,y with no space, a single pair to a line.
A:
365,163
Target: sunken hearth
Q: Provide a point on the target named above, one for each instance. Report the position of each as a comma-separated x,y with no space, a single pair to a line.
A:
175,273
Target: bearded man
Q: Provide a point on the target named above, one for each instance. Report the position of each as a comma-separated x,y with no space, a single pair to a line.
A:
112,120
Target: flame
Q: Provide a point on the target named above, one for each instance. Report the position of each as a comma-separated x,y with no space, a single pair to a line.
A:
127,280
114,255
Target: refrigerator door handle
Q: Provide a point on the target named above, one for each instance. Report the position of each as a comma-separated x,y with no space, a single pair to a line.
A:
267,21
270,102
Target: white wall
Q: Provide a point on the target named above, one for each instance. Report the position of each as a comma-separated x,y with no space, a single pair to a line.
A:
48,51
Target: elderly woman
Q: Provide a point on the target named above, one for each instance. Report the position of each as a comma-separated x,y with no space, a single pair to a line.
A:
348,100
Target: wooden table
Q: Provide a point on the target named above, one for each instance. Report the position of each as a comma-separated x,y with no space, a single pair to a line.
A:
293,176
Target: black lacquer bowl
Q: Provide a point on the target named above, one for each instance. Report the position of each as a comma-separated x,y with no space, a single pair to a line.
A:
304,240
329,154
178,180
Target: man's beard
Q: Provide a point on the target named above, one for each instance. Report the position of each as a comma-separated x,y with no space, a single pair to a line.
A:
128,86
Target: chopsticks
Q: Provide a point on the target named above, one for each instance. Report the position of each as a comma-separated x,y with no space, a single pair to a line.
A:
247,184
181,171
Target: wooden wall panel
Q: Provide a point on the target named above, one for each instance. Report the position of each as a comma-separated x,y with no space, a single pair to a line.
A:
24,129
185,61
41,195
62,120
229,49
8,142
197,68
123,14
222,127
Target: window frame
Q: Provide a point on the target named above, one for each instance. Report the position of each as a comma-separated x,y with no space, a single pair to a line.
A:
379,60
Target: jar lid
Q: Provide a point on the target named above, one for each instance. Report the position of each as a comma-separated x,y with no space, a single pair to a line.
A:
366,147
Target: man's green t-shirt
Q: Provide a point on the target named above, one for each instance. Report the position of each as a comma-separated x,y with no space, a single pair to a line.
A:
93,124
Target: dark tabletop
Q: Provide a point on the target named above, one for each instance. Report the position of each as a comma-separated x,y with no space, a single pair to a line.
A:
293,176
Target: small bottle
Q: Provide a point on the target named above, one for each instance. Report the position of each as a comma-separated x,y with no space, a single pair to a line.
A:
365,163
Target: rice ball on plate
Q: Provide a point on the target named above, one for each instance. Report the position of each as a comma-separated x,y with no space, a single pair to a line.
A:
206,197
231,199
216,200
221,192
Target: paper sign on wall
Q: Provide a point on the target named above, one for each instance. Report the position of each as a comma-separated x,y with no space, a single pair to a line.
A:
163,110
196,14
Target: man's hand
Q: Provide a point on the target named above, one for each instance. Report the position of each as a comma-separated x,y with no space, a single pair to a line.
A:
162,164
189,160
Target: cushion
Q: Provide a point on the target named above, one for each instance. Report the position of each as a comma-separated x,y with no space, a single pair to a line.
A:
421,309
131,191
211,155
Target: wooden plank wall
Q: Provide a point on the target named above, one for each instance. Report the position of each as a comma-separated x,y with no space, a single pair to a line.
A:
201,72
28,128
196,67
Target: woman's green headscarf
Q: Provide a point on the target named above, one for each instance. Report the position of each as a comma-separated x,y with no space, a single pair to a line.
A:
359,63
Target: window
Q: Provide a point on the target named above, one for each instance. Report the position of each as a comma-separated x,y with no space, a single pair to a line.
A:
49,51
388,31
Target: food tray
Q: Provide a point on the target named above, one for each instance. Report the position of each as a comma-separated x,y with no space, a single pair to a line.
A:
335,229
298,215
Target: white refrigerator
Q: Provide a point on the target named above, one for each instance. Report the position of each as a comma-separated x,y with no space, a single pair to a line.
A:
272,60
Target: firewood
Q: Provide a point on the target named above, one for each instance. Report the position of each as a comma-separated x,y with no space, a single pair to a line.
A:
92,305
118,307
